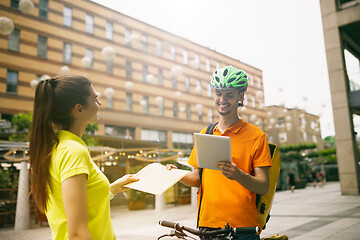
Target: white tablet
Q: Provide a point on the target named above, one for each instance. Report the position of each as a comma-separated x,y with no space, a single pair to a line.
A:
211,149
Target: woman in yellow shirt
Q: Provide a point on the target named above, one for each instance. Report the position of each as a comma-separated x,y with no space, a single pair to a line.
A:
65,183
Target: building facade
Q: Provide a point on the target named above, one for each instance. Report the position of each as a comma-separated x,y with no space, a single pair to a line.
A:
154,85
292,126
341,24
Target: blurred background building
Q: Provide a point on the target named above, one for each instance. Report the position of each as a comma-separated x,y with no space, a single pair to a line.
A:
154,86
292,126
341,24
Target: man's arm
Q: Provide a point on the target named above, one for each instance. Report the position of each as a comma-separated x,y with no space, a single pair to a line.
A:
257,184
191,179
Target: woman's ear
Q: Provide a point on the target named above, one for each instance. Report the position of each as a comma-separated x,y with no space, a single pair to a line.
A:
78,108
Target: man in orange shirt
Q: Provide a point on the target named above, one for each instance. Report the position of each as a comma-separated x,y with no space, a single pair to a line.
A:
228,196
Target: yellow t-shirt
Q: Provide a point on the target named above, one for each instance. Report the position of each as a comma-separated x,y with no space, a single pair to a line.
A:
224,200
71,157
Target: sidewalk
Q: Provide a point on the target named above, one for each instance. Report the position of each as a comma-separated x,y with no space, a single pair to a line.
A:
310,214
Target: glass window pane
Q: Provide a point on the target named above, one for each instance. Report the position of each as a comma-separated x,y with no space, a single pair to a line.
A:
144,42
14,40
42,47
43,8
109,66
89,24
185,57
90,54
67,53
11,82
145,72
67,16
109,31
353,70
129,102
161,77
127,37
159,47
128,69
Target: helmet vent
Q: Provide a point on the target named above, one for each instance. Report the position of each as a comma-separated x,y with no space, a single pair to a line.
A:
225,72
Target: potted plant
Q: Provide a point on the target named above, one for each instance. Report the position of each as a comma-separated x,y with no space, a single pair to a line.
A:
135,199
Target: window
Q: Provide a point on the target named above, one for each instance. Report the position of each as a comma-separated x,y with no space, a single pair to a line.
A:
176,110
304,136
109,66
259,82
251,80
127,37
159,47
182,140
14,4
314,138
198,87
129,102
124,132
14,40
173,53
217,65
161,77
211,116
153,135
43,9
109,31
282,137
145,72
188,111
89,24
313,125
67,53
185,57
90,54
144,42
352,65
207,63
187,84
174,82
161,108
110,102
42,47
200,116
281,122
245,100
209,91
146,105
67,16
253,101
128,69
11,82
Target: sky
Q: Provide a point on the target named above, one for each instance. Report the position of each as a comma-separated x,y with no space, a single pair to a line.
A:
283,38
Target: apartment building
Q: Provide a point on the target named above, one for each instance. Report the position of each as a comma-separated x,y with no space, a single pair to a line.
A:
292,126
154,85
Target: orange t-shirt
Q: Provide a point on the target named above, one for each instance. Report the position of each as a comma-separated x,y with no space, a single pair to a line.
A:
227,201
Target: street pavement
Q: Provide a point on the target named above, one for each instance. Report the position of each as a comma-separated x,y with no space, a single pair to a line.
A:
307,214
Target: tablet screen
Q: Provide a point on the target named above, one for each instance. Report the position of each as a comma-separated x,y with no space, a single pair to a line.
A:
211,149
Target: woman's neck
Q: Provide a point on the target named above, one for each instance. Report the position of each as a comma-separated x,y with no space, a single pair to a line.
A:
77,128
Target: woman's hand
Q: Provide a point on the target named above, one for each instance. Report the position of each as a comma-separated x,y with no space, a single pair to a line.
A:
171,166
118,185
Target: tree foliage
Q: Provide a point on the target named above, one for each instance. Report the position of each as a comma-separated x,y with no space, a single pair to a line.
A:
21,122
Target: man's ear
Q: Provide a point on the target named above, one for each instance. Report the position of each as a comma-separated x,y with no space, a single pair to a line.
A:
241,96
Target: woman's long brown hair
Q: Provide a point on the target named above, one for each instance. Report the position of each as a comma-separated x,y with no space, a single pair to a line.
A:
55,99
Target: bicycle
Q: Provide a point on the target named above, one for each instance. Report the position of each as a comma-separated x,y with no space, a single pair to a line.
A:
221,233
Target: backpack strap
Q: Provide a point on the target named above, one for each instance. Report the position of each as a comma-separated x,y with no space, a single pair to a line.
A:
209,130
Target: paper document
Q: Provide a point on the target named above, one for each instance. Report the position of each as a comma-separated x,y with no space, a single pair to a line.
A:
156,179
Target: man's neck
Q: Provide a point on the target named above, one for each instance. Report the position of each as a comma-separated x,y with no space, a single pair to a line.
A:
227,121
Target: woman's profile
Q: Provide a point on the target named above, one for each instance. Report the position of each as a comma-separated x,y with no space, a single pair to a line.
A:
65,182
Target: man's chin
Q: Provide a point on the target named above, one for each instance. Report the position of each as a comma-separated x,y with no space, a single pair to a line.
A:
224,113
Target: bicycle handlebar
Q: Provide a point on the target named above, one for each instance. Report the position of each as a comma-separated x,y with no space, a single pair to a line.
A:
209,233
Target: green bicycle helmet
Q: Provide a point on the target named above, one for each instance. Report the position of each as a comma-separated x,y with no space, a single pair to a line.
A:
229,77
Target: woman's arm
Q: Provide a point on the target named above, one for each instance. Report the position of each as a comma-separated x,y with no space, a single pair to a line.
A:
118,185
75,204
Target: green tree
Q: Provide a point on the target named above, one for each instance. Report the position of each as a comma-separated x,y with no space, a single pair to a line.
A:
21,122
91,128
